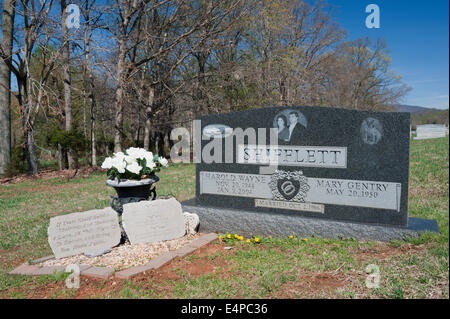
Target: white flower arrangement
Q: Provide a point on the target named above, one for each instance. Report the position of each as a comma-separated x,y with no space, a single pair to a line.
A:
135,163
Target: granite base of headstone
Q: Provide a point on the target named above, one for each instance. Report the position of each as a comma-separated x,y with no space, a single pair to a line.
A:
254,223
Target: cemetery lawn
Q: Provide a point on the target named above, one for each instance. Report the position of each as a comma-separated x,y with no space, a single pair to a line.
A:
272,268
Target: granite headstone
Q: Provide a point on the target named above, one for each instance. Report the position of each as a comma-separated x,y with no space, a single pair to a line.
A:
428,131
286,163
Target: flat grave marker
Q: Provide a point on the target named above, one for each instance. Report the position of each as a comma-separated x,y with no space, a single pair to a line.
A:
153,221
77,233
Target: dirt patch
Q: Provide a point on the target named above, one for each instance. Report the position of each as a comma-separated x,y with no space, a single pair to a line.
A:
47,189
201,262
98,288
323,281
46,174
385,251
191,266
89,288
311,285
194,265
11,258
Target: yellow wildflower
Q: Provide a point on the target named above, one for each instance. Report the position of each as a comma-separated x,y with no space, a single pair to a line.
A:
248,241
228,236
256,240
220,237
291,236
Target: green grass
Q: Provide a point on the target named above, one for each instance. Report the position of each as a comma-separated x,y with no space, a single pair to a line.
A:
275,267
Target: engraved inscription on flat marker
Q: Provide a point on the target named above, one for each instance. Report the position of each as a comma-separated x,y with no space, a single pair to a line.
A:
153,221
77,233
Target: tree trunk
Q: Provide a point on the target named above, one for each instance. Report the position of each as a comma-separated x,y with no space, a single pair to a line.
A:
67,81
137,134
60,157
137,131
33,166
148,112
93,141
84,116
5,85
167,144
28,134
202,100
118,127
87,61
157,143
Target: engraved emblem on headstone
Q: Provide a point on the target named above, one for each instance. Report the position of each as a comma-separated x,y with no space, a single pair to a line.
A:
291,186
217,131
371,131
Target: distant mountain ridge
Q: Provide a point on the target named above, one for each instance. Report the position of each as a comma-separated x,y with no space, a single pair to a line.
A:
413,109
423,115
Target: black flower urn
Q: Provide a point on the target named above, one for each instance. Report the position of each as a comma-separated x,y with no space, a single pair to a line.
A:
130,191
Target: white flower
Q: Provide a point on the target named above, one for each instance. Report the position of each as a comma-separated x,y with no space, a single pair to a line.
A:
148,156
108,163
137,153
129,159
119,164
150,164
119,155
164,162
149,160
134,168
131,151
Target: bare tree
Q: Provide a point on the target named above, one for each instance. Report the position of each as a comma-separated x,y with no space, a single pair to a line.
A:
37,30
5,84
67,81
136,68
359,77
169,27
89,28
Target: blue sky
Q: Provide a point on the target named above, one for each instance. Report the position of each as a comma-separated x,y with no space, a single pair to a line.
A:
416,33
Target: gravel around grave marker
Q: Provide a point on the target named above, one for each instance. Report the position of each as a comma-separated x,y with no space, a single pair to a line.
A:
161,254
125,256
